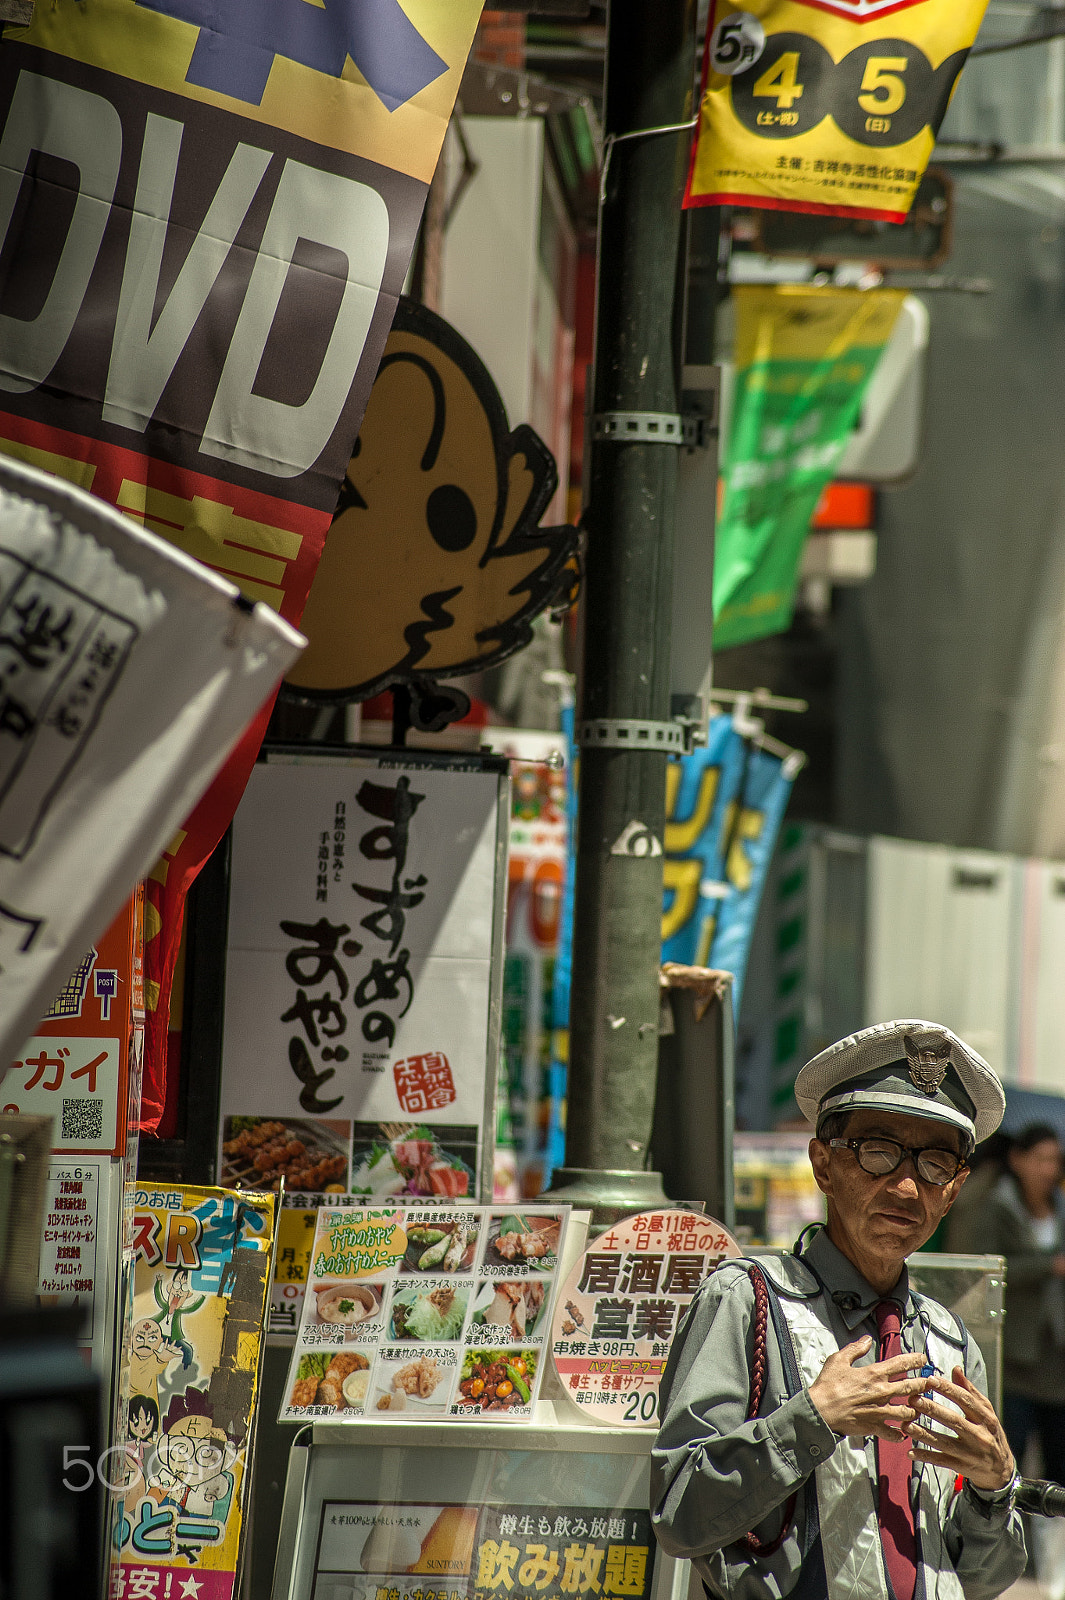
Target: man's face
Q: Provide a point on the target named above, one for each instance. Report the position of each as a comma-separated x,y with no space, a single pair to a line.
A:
146,1337
878,1221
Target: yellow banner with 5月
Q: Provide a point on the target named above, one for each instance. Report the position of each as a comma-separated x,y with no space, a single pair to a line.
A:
827,106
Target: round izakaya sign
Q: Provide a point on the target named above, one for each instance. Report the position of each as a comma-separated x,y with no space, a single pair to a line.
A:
621,1306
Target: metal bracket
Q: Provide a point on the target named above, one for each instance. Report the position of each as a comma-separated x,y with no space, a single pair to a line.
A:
632,733
649,427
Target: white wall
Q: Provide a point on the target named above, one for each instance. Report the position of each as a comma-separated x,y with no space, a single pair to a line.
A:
491,254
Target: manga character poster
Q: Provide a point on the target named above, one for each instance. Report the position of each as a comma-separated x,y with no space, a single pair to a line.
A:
195,1321
206,214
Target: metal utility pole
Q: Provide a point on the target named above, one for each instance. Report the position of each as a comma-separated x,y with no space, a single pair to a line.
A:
624,725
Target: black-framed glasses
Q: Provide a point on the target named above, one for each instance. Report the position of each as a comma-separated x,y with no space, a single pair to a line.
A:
881,1156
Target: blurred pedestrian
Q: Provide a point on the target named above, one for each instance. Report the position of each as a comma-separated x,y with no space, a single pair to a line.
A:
1022,1217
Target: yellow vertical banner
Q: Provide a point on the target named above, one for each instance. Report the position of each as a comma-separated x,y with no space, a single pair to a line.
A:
827,106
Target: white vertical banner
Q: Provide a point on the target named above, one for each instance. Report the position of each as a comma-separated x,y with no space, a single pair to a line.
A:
363,975
127,674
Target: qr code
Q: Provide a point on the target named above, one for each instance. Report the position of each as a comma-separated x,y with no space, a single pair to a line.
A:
83,1122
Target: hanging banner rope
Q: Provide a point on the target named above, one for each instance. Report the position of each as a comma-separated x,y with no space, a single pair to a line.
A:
827,106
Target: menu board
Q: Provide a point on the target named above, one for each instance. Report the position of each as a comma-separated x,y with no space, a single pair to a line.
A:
463,1552
615,1319
78,1243
432,1313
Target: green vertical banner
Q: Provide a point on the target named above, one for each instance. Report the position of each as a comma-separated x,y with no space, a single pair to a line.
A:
804,357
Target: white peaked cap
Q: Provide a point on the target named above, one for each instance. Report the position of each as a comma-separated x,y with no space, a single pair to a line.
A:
911,1067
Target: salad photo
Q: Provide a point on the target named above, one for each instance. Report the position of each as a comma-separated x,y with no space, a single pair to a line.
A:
410,1159
433,1316
496,1380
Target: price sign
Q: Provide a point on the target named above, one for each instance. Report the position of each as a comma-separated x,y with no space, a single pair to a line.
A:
827,106
616,1317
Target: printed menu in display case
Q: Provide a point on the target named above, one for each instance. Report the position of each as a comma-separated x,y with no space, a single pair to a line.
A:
425,1313
362,976
464,1552
191,1371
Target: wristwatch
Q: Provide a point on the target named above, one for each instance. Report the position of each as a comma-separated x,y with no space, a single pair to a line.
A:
988,1500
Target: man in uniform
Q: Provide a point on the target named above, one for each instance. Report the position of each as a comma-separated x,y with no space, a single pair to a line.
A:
825,1430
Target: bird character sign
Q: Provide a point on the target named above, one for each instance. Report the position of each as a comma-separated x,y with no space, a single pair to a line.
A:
435,563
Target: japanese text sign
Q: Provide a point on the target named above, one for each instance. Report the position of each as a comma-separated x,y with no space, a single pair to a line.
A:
78,1248
527,1552
128,672
616,1316
827,106
75,1069
428,1313
365,908
191,1376
461,1552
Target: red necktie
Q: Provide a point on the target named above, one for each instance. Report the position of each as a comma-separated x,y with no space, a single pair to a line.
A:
893,1464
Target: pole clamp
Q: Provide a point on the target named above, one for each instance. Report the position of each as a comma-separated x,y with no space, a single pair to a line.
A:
649,427
632,733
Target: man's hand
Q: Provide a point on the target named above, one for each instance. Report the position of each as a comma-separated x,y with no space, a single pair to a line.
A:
864,1402
976,1446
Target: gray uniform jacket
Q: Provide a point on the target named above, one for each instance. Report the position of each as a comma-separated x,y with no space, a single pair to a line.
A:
714,1475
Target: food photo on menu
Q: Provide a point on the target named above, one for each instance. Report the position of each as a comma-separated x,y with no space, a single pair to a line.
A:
518,1307
357,1308
429,1313
417,1382
524,1240
399,1160
444,1241
331,1381
304,1153
498,1380
448,1310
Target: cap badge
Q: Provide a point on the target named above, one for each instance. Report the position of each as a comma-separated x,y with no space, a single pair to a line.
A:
928,1066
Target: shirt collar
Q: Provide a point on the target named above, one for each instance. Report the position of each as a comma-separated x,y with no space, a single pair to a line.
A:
853,1298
